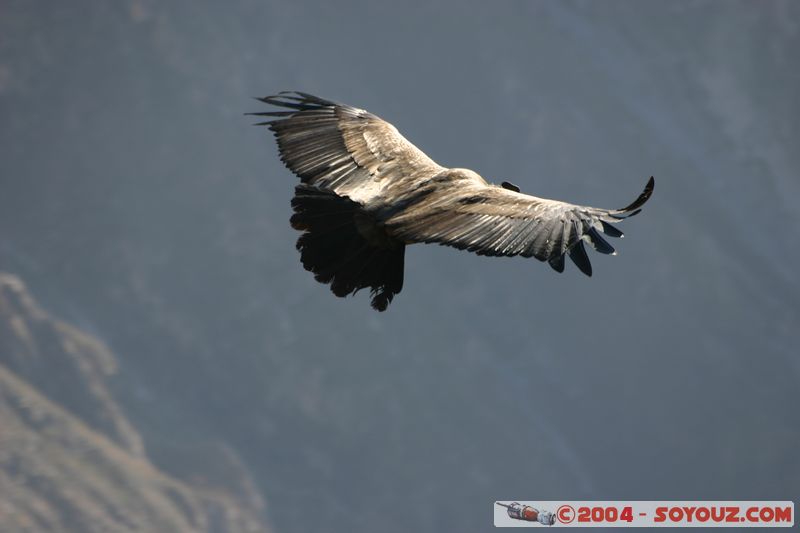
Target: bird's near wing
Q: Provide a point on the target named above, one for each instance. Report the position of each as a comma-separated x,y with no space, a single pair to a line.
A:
492,220
342,149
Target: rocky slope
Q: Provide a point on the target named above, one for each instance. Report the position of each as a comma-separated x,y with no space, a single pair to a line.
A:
69,458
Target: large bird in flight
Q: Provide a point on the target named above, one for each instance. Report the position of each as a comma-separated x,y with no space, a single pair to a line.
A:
367,192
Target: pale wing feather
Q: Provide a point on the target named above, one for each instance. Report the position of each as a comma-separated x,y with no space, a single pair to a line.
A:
343,149
490,220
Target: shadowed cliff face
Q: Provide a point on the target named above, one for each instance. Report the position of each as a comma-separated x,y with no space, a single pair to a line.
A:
66,365
140,206
70,460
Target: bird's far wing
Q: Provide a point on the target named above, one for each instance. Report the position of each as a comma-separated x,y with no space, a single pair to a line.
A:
492,220
340,148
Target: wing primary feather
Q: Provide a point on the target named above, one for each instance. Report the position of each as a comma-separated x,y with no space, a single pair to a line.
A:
272,114
640,201
599,243
557,263
623,216
273,100
578,255
610,230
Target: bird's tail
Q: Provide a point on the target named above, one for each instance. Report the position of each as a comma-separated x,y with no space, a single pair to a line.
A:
333,248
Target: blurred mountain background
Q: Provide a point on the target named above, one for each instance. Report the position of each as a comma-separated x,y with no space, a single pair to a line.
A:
70,459
167,365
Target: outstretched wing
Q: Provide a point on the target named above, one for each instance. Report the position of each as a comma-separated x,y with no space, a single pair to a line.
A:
340,148
492,220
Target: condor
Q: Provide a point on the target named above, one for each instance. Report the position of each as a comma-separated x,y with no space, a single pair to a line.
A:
366,193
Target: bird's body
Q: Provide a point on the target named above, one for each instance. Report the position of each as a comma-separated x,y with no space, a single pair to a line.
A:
367,192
